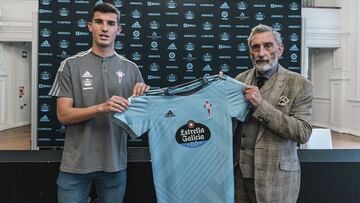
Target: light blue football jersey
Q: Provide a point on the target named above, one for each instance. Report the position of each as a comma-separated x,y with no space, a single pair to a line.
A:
190,137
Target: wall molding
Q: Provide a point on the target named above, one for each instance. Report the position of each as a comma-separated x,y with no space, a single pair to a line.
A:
11,31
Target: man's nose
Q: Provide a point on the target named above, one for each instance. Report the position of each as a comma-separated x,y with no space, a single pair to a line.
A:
104,27
262,51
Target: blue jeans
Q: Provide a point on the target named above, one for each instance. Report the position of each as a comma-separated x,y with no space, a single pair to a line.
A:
75,188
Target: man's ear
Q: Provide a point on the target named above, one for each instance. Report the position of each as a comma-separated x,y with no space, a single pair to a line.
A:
281,49
119,29
89,25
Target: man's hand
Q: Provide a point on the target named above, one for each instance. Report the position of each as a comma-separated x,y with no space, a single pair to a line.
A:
253,95
140,88
114,104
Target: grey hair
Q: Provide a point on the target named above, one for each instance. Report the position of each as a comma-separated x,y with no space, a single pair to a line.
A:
264,28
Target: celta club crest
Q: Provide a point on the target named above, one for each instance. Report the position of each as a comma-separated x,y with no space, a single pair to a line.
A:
120,75
207,106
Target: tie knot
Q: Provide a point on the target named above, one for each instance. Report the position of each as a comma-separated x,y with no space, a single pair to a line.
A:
260,81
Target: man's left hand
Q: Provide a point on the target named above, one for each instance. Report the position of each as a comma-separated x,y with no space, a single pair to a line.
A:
140,88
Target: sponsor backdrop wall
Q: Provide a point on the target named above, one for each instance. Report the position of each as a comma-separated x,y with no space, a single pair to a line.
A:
172,41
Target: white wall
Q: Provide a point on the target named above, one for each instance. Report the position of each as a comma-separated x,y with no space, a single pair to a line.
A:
332,39
15,108
16,27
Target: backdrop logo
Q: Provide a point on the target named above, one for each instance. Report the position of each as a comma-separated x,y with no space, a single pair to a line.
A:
154,25
118,3
259,16
45,44
171,77
189,15
277,26
189,67
225,36
45,75
207,26
119,45
136,56
294,6
81,23
45,2
193,134
224,67
224,6
45,32
64,44
241,5
63,12
189,46
294,37
207,57
242,47
171,4
172,36
154,67
136,14
44,107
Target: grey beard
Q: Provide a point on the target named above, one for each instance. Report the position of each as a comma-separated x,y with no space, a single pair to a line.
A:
263,68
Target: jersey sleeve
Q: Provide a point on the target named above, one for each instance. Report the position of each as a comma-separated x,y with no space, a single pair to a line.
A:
62,86
136,119
237,104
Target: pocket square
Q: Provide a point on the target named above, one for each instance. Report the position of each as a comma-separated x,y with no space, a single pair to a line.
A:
283,100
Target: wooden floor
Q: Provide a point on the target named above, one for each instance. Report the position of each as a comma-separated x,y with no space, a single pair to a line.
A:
19,139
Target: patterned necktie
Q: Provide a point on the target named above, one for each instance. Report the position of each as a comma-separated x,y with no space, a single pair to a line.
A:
260,81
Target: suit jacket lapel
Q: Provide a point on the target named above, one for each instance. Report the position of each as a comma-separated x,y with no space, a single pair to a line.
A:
272,91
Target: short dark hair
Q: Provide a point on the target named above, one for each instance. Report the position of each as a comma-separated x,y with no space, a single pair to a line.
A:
106,8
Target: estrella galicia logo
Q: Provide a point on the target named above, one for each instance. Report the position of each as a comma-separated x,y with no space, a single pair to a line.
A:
193,134
81,23
45,2
45,75
63,12
64,44
45,32
44,107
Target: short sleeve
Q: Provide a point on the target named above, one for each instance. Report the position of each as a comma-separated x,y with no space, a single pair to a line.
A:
136,119
237,104
62,86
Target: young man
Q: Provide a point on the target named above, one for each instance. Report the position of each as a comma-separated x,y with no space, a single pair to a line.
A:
89,87
267,168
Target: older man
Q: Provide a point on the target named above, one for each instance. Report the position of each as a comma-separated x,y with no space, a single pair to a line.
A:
267,168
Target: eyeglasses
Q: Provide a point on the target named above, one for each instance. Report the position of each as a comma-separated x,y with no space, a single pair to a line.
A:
267,46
